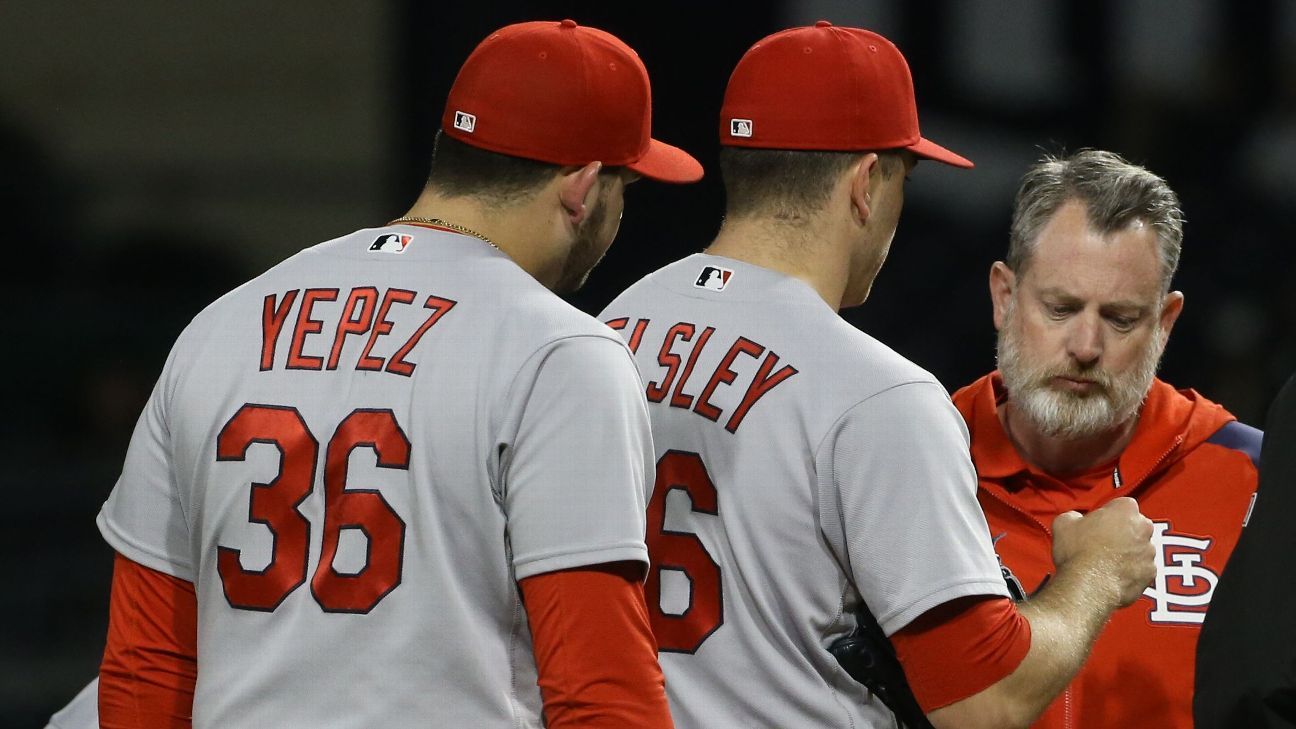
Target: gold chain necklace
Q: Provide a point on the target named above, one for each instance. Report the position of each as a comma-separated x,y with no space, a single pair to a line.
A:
438,222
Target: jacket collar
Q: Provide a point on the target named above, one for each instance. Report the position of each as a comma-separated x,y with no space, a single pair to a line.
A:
1171,423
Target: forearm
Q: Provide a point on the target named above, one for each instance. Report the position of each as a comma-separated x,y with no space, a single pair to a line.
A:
1065,619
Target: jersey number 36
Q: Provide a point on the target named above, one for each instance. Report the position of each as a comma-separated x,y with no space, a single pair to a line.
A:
275,505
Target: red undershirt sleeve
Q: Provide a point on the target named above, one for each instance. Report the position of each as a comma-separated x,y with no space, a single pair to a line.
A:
146,680
594,648
960,648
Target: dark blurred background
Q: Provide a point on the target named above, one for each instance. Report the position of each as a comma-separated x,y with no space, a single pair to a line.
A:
154,155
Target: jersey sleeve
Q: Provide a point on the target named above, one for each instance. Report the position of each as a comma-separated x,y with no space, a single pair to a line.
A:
143,517
81,713
594,649
150,662
961,648
577,469
899,501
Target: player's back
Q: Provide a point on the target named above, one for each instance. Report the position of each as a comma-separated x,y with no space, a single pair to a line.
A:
776,493
339,433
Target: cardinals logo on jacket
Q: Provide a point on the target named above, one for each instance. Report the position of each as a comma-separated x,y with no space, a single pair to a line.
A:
1183,587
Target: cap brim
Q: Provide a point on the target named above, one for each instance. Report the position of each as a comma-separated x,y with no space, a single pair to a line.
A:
665,163
930,150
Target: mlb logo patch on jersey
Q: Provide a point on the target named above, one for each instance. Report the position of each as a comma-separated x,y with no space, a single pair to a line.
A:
713,277
465,122
391,243
740,127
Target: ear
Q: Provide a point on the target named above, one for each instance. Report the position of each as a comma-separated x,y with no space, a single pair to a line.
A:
1171,308
1003,284
861,183
577,191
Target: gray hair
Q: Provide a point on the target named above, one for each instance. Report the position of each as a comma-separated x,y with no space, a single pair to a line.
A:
1114,193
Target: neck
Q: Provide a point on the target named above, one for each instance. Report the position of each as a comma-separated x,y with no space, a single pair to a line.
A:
807,249
516,229
1059,455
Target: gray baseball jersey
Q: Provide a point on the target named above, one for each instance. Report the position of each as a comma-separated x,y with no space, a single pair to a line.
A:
803,469
81,713
356,455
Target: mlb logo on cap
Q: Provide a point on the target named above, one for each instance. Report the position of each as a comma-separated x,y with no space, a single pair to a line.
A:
740,127
713,278
391,243
465,121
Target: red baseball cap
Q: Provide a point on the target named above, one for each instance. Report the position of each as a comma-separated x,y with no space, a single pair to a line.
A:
565,94
825,88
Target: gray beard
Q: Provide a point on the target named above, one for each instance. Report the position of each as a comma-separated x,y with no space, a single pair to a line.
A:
1070,415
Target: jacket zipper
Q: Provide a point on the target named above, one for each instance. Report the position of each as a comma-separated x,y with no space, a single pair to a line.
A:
1023,512
1067,721
1178,441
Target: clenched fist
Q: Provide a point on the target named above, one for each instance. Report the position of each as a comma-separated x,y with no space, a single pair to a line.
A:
1114,542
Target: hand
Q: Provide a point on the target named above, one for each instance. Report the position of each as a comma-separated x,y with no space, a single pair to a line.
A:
1114,543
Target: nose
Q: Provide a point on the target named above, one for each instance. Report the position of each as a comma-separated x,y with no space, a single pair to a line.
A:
1085,340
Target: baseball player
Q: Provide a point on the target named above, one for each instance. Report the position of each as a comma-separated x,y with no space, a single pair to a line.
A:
395,480
1075,417
805,472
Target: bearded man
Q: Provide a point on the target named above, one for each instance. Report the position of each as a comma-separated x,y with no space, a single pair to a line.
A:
1075,417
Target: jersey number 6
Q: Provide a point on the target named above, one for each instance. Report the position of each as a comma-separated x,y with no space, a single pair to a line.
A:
275,505
683,552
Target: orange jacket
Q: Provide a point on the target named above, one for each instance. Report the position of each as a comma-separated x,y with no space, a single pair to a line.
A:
1191,466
